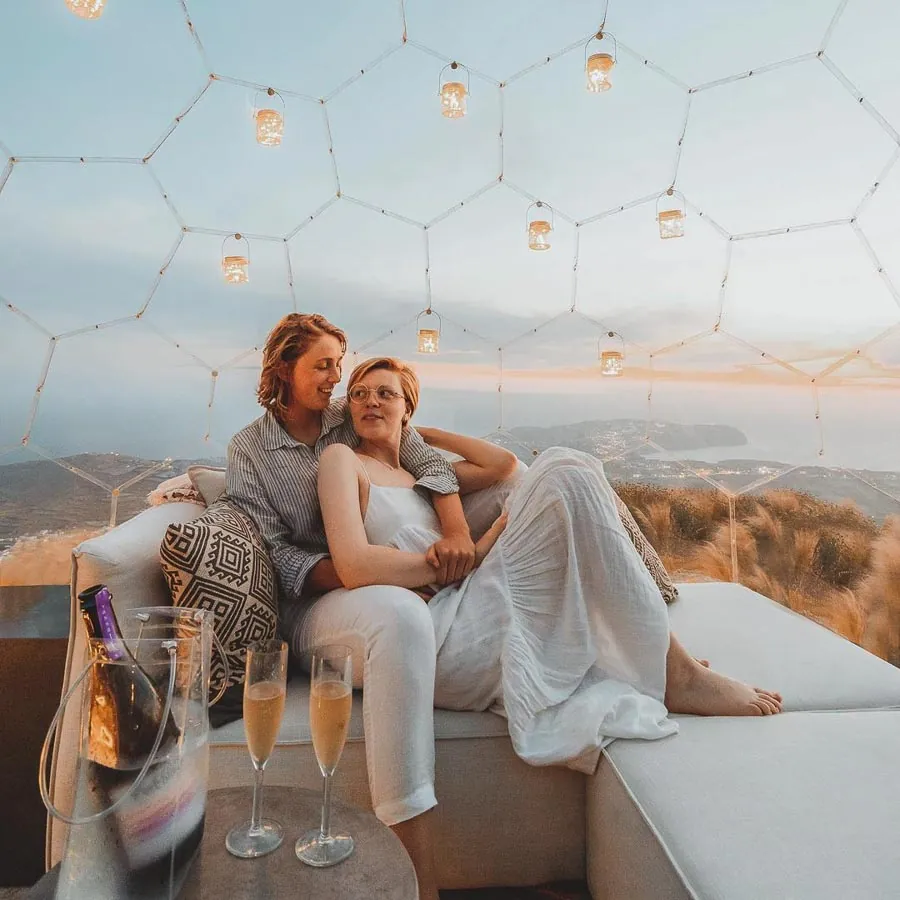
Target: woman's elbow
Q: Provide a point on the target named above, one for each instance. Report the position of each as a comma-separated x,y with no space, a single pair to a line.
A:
509,466
351,576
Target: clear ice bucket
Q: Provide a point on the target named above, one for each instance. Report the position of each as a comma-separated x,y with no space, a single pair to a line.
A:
134,832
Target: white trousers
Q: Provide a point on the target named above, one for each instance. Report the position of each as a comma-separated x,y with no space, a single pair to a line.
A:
391,633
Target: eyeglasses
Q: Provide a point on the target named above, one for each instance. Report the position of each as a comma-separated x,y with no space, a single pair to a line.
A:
359,393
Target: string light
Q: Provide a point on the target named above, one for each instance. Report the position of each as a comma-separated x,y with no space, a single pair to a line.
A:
428,338
236,268
598,66
671,220
453,93
539,229
269,122
86,9
611,352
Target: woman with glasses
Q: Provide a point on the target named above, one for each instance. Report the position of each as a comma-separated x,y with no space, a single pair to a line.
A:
271,474
560,627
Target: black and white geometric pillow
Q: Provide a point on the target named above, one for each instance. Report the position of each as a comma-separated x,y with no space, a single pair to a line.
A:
219,562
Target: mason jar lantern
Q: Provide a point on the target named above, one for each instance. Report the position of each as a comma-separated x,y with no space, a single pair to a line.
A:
670,219
540,227
428,338
598,66
236,267
269,122
453,93
611,353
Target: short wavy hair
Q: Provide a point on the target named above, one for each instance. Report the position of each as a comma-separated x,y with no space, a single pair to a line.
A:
286,343
409,381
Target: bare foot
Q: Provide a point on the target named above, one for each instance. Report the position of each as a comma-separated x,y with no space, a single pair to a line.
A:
693,688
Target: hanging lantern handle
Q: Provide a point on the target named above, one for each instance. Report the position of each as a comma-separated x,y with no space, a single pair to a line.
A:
271,92
237,236
599,36
454,66
671,192
540,205
609,334
429,312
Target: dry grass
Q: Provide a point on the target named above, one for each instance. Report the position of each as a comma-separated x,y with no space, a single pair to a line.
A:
828,561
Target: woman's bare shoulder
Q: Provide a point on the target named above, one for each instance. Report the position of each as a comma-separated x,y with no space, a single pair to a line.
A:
338,454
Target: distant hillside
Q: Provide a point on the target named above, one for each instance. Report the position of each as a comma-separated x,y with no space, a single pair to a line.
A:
41,495
605,436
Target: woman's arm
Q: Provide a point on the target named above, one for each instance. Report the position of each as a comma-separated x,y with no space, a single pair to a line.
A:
483,463
356,561
487,541
294,565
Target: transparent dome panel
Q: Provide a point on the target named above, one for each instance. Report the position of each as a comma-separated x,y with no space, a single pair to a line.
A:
786,148
555,392
878,225
82,243
396,150
219,176
122,390
360,268
233,403
717,40
108,87
458,370
211,318
859,405
492,38
723,414
482,264
651,290
24,352
863,47
586,152
806,298
294,46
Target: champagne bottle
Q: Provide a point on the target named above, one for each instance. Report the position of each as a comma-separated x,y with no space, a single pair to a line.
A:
143,850
125,707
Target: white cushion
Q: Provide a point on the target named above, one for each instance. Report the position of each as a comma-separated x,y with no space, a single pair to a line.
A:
800,805
756,640
209,481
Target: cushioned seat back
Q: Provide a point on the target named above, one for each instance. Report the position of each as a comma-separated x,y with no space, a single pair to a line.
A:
126,559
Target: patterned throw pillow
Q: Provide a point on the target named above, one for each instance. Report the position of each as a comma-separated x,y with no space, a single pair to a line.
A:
219,562
648,554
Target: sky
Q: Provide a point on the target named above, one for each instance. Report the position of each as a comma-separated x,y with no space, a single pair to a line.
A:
83,244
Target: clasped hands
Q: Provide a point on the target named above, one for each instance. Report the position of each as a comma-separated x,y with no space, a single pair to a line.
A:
455,555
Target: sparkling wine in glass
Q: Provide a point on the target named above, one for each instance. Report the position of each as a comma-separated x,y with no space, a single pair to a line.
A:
330,699
264,690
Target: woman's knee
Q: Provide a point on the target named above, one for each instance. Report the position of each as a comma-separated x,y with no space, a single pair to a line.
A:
400,622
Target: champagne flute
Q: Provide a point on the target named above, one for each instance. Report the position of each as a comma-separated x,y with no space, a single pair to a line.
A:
264,690
330,700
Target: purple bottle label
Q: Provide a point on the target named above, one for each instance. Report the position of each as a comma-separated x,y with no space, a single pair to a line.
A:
108,632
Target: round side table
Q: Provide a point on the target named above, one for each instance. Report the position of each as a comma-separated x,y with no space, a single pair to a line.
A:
379,868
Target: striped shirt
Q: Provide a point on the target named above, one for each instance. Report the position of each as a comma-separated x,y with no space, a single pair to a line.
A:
272,477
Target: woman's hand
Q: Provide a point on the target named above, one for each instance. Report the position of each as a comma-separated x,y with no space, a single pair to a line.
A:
483,547
453,556
427,434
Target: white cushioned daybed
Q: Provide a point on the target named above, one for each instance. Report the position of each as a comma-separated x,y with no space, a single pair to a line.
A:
803,805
